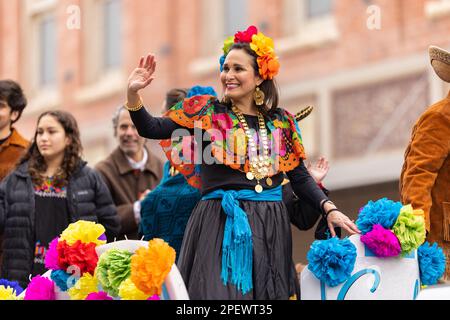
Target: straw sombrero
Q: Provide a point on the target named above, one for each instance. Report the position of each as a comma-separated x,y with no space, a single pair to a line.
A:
440,60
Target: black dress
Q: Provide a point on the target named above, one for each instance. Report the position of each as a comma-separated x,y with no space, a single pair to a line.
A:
274,275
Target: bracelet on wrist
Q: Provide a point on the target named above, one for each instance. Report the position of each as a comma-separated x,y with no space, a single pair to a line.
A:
135,108
330,211
322,206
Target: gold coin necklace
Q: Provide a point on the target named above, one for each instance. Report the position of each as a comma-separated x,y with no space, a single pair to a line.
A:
259,165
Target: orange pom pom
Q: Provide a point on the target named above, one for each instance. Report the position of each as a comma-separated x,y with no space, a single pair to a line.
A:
150,266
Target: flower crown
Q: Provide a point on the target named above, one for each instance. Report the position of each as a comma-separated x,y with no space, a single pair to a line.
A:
263,46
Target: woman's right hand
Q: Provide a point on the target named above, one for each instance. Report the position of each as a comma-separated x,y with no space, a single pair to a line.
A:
141,77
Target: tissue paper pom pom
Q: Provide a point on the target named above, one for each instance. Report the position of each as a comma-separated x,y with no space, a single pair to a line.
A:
332,261
150,266
7,293
40,288
114,266
383,212
51,256
61,279
85,285
82,255
84,231
410,229
11,284
382,242
431,263
129,291
154,297
98,296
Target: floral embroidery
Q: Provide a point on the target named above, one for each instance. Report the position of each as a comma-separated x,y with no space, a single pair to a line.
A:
228,139
47,189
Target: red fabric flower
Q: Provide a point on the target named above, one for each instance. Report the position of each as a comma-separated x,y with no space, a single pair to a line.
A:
268,66
79,254
245,36
193,105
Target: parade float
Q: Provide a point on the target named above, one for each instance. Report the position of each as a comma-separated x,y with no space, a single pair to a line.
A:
387,261
82,266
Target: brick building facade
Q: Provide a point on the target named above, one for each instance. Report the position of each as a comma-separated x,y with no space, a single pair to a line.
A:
362,64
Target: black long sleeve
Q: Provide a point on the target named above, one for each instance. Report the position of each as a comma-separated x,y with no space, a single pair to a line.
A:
305,187
153,127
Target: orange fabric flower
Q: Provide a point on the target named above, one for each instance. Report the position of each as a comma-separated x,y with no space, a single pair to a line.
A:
268,66
186,169
150,266
195,182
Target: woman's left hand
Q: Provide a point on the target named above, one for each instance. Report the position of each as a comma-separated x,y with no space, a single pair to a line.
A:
338,219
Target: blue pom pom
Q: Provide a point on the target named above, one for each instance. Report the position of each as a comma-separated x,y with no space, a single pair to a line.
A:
384,212
199,91
431,263
61,279
12,284
222,61
332,261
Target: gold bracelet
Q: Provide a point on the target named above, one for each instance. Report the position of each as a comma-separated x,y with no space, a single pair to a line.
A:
136,108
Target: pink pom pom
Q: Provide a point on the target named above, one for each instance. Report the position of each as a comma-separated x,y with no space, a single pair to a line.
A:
40,288
98,296
382,242
51,256
154,297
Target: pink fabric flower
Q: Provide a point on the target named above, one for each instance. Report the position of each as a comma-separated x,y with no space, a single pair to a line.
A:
382,242
222,121
98,296
51,256
40,288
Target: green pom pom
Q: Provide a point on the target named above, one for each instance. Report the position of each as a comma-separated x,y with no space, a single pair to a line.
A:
409,229
114,266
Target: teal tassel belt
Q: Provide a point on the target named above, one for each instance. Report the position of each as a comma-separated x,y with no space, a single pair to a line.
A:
237,245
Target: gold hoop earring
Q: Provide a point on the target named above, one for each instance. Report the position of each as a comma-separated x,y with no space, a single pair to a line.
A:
259,97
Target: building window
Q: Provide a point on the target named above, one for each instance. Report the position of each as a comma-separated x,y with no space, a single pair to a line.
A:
318,8
47,51
112,37
235,16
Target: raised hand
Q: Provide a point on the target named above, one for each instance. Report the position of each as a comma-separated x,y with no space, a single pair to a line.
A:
142,76
319,170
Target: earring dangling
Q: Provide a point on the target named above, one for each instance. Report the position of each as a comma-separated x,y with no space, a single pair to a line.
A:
259,97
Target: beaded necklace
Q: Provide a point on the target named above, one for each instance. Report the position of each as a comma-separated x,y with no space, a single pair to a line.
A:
259,164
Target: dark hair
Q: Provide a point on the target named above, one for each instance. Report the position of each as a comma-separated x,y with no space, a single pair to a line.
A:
72,153
12,93
175,95
269,87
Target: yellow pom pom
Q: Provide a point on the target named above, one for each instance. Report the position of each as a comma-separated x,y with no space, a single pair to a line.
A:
7,294
128,291
85,231
150,266
84,286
